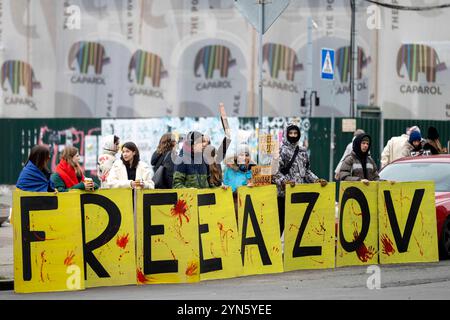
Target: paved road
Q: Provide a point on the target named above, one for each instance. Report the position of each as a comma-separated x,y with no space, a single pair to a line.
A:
407,281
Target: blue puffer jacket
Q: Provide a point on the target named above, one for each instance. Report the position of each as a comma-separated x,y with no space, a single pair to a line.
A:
235,178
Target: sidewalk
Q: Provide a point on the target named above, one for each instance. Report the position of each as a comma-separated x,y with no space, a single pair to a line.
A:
6,238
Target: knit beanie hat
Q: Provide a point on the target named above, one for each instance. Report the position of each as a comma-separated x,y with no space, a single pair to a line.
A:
415,136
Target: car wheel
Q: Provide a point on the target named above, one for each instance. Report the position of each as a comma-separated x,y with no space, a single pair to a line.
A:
445,239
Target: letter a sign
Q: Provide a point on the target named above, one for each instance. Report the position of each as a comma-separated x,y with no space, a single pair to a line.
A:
327,66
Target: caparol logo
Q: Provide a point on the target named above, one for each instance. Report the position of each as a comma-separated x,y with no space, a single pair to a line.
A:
145,65
281,58
209,59
419,58
19,74
213,57
344,62
85,54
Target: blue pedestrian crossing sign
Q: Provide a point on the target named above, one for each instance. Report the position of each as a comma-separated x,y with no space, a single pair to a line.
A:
327,65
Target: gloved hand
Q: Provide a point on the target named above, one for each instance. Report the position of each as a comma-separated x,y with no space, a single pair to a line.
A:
365,181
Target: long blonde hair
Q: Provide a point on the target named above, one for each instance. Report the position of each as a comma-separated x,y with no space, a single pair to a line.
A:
68,153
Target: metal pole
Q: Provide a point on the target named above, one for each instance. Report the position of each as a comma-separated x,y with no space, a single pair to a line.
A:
261,20
309,64
354,65
332,136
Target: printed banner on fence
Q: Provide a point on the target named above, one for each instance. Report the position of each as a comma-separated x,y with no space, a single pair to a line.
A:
259,228
407,218
309,233
167,236
358,224
219,237
108,234
48,246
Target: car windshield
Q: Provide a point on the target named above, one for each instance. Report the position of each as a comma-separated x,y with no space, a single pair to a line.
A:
414,171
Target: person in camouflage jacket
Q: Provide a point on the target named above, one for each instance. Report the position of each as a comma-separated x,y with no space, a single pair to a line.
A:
299,172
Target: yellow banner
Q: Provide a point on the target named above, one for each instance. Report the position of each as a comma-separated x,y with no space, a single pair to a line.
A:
48,245
219,238
261,250
407,222
309,235
358,224
167,236
110,254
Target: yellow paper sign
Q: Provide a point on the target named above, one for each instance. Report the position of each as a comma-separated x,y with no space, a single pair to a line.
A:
309,235
407,222
259,228
109,237
219,238
48,246
167,236
358,224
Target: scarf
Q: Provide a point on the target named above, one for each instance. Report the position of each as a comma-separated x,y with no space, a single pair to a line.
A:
68,174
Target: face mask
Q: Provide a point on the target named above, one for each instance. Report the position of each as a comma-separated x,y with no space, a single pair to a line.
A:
243,167
293,139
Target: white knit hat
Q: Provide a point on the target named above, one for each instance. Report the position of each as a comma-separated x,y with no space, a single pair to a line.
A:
242,148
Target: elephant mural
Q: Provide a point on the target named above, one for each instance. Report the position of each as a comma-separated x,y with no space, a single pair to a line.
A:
213,57
280,57
87,54
146,64
344,62
419,58
19,74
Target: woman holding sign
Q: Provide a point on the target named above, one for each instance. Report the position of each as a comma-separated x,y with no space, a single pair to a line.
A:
129,171
359,165
69,174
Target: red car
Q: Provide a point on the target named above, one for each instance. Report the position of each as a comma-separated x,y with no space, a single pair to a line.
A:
437,169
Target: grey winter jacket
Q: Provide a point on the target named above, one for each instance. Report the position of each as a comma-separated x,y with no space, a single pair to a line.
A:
299,172
352,170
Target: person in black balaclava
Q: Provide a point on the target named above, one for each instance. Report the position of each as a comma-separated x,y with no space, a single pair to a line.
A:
359,165
293,168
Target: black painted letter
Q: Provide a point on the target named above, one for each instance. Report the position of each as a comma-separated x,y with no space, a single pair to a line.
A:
212,264
258,238
358,195
114,221
28,204
402,242
150,266
310,198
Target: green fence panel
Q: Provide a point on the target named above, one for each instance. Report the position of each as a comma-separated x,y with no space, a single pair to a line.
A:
22,134
319,146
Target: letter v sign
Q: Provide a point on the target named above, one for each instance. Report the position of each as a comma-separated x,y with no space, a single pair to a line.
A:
402,242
